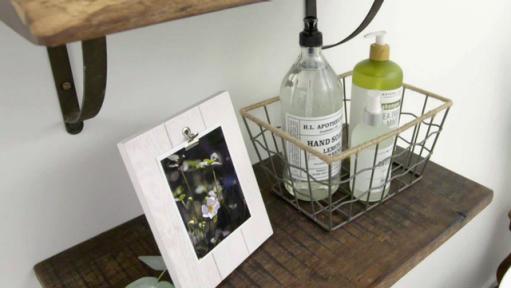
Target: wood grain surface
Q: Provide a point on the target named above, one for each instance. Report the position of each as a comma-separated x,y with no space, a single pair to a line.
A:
55,22
373,251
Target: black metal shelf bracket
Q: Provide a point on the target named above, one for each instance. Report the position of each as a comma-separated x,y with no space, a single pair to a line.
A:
94,73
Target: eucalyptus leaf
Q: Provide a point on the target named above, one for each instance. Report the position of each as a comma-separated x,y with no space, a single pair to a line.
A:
164,284
155,262
144,282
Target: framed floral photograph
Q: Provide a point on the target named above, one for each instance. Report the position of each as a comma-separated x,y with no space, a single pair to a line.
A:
195,182
207,191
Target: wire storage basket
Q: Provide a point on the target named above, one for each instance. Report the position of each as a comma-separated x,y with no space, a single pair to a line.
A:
422,116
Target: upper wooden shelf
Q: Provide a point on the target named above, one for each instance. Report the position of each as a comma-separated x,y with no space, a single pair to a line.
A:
56,22
375,250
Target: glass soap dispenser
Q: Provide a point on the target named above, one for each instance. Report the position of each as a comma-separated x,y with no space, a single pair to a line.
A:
312,110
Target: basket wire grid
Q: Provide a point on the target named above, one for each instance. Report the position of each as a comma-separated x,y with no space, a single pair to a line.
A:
414,142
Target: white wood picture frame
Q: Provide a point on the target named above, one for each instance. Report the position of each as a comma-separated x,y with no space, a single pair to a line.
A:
142,155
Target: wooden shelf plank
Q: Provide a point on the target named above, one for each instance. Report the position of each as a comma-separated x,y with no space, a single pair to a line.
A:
375,250
56,22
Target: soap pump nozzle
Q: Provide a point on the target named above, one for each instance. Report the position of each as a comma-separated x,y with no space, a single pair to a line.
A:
311,36
380,51
379,35
373,113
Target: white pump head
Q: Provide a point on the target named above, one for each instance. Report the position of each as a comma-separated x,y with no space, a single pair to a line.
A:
373,114
379,35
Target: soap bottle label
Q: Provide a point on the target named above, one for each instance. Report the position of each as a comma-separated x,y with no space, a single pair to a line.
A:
390,100
323,134
364,168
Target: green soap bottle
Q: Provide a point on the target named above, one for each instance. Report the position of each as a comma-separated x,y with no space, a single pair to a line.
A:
377,76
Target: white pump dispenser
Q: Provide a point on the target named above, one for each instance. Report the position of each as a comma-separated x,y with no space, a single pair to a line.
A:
380,51
379,35
373,113
371,127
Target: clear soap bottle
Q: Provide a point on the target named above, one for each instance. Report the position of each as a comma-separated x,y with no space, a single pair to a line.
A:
372,126
312,111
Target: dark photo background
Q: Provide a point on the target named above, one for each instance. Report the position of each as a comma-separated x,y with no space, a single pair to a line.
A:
206,189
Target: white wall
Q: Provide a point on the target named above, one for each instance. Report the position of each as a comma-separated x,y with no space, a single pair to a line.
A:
59,190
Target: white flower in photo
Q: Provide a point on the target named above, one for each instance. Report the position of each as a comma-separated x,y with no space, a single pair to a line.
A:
211,193
185,166
200,189
210,209
174,161
215,159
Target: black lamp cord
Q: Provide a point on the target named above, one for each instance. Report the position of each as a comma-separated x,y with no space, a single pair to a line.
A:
311,11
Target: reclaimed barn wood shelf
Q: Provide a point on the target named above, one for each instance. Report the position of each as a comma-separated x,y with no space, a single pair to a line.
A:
374,250
56,22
